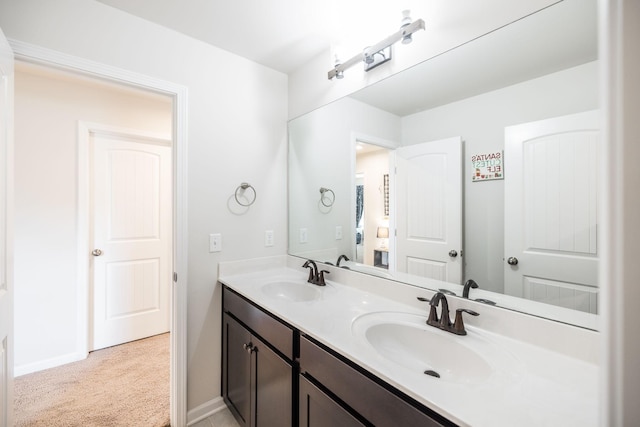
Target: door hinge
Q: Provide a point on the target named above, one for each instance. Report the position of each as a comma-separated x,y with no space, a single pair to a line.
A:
175,277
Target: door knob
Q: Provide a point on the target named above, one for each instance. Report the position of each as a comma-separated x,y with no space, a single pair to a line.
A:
453,253
512,260
96,252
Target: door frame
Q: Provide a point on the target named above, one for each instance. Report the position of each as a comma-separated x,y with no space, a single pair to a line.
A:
54,59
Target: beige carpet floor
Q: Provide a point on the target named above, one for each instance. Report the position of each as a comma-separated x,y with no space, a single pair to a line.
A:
125,385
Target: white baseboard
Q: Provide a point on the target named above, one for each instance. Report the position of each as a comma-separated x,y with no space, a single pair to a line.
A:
205,410
30,368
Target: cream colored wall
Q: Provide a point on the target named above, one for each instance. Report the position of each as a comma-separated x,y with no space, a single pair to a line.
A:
48,107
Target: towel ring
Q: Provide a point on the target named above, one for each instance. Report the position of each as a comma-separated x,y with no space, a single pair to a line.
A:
243,187
323,196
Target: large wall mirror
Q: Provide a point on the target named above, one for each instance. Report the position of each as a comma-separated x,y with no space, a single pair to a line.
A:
478,164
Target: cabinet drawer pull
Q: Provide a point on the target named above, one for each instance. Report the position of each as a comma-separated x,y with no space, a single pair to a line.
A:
249,347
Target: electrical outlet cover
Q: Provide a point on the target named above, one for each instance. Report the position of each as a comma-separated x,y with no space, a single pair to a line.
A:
268,238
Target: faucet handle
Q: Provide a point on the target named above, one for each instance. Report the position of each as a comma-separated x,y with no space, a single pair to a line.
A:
321,277
433,312
433,316
458,324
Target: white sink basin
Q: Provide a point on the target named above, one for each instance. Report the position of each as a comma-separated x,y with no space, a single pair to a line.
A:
407,341
293,291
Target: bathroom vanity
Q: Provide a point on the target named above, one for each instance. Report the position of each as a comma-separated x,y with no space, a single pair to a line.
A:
350,354
259,353
260,376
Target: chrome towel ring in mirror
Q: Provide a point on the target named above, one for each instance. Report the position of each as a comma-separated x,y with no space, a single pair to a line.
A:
241,190
325,199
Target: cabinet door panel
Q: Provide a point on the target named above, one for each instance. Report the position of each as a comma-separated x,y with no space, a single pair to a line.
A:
368,398
236,381
319,410
274,387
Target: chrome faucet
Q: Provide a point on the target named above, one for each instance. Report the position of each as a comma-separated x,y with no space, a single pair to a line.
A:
444,321
315,277
340,258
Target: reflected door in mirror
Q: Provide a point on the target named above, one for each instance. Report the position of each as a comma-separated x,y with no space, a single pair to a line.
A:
429,201
551,223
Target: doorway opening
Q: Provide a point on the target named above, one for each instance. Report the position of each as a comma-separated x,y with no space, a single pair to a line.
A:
51,230
372,238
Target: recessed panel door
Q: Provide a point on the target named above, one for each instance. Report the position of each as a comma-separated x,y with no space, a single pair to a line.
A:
429,206
131,193
551,248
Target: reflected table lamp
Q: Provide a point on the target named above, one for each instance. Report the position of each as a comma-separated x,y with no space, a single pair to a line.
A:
383,233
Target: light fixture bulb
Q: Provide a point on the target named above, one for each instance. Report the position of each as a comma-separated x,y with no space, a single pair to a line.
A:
368,58
406,18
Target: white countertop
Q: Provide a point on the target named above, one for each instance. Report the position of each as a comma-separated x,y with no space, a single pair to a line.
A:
546,388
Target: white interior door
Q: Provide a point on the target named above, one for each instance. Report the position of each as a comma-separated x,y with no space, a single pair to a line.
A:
550,217
6,282
429,201
131,193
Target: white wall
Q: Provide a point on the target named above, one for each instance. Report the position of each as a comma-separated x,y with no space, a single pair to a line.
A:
446,28
321,155
480,121
237,112
47,110
620,47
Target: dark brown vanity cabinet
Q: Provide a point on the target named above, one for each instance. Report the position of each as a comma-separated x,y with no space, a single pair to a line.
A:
317,409
257,378
331,386
274,377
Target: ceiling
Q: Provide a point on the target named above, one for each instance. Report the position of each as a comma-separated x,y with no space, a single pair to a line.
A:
285,34
280,34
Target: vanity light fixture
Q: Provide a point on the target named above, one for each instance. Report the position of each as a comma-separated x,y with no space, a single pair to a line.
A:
379,53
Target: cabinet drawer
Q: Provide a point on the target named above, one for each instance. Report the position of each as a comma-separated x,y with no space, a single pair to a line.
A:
373,401
263,324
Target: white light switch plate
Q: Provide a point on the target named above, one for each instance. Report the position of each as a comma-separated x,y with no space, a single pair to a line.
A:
338,232
303,235
215,242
